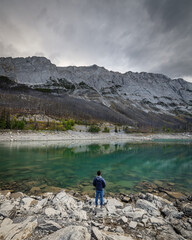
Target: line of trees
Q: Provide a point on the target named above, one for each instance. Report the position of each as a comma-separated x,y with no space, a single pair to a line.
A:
7,123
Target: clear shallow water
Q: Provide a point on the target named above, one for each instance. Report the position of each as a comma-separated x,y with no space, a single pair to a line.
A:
124,165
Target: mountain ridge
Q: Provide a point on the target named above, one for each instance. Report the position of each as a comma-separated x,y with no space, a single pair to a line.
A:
144,93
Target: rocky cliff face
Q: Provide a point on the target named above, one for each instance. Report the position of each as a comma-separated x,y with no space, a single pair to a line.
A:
129,93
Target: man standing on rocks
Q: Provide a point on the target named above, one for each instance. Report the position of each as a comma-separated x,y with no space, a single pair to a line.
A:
100,184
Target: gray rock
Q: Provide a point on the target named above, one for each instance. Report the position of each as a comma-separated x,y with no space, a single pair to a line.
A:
6,222
22,230
138,214
112,205
51,212
172,212
133,224
119,229
6,208
158,201
17,195
187,209
70,233
102,235
64,199
95,224
123,220
80,215
49,226
157,221
97,234
27,202
148,206
126,199
128,208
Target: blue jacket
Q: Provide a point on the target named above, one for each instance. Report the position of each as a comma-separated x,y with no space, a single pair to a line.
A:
99,183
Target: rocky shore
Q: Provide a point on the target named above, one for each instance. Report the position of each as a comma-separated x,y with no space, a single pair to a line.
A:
67,215
18,135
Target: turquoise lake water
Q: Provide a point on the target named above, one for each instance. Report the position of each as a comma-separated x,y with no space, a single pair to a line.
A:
124,165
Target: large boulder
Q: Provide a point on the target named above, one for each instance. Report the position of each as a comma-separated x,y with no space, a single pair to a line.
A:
22,230
63,199
102,235
113,204
6,208
49,226
70,233
187,209
51,212
148,206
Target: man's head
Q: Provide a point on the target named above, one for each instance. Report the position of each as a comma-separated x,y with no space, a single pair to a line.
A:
99,173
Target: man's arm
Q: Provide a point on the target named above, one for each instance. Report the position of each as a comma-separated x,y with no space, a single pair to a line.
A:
94,182
103,183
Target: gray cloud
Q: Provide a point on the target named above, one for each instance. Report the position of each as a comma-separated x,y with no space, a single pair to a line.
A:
120,35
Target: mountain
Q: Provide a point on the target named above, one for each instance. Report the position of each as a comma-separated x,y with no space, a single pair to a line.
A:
94,93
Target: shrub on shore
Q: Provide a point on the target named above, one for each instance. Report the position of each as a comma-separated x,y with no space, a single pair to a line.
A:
106,130
94,129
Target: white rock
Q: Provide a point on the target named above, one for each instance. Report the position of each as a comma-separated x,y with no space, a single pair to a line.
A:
97,234
66,200
123,220
80,215
50,212
157,221
133,224
27,202
22,230
6,208
70,233
114,202
148,206
6,222
102,235
119,229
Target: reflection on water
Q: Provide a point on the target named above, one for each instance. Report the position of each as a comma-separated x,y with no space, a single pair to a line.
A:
24,166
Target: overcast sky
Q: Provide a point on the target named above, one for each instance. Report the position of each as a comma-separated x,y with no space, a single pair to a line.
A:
121,35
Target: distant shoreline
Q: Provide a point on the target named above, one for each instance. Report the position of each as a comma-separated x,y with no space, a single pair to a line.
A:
23,135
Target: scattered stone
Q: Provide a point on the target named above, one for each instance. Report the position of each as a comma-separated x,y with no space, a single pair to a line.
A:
119,229
133,224
126,199
95,224
123,220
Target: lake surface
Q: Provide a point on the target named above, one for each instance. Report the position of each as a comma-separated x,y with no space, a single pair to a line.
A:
31,166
